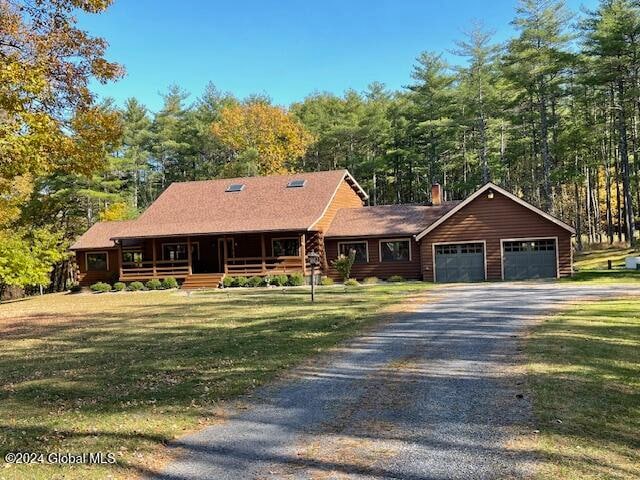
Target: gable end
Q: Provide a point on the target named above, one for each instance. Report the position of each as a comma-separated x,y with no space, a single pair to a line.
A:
348,194
509,195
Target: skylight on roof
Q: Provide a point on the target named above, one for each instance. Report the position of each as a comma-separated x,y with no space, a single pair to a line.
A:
235,187
296,183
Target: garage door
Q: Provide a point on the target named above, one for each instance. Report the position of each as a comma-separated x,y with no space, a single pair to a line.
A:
460,262
525,259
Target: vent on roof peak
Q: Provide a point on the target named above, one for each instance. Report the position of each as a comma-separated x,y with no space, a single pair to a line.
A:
235,187
298,183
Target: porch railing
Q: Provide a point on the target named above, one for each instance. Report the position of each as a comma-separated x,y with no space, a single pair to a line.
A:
264,266
159,269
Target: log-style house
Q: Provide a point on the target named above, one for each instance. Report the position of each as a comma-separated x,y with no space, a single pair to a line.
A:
197,232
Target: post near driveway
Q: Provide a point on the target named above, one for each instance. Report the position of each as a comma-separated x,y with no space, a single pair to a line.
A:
314,261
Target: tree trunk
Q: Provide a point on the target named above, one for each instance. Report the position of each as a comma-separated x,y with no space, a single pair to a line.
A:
587,202
624,165
609,217
576,190
618,198
547,200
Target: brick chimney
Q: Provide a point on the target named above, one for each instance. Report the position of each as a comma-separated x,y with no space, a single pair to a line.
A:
436,194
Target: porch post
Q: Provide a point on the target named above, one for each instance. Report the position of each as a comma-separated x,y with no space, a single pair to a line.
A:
303,253
264,254
189,255
120,258
224,248
153,251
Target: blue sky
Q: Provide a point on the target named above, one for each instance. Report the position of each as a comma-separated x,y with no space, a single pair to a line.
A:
283,48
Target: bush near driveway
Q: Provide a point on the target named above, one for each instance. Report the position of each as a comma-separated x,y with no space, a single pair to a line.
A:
129,373
295,280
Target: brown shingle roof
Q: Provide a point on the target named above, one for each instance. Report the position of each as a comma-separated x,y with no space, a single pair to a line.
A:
265,204
100,234
386,220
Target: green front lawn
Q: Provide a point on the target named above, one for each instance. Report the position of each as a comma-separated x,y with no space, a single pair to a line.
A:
591,266
605,276
128,372
584,368
597,259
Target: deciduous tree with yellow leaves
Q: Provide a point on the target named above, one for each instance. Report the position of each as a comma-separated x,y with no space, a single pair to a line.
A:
49,121
264,138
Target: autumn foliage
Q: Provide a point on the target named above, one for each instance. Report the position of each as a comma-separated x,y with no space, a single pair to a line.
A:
49,122
48,118
277,139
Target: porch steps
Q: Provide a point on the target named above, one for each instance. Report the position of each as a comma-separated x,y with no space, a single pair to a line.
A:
202,280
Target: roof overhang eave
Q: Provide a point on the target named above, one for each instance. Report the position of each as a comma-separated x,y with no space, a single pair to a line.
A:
353,182
371,235
205,234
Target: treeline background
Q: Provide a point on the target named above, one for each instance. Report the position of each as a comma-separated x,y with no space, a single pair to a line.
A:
551,114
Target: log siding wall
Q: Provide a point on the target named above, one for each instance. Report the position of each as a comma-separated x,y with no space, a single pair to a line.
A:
492,220
345,197
375,268
86,278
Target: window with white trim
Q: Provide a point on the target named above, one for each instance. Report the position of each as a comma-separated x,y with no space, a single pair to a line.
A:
97,262
286,247
360,248
178,251
132,256
395,250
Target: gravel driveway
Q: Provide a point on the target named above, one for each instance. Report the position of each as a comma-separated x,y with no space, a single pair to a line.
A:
437,394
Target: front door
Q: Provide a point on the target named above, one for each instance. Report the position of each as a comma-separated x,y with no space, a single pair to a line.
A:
197,263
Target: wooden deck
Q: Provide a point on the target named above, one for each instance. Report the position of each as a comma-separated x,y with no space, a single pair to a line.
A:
219,254
148,270
182,270
261,266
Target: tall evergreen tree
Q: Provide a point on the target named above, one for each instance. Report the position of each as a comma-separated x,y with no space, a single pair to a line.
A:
430,128
477,98
536,63
613,40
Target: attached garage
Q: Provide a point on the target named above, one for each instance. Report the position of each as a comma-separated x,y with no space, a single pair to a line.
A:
506,237
460,262
491,235
524,259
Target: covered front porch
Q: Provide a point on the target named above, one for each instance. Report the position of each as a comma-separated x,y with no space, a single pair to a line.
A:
256,254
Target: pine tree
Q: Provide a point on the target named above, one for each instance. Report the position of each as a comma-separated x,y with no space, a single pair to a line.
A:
613,40
136,146
536,64
476,92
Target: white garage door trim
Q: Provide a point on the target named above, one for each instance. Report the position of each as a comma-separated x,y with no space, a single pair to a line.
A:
433,254
527,239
